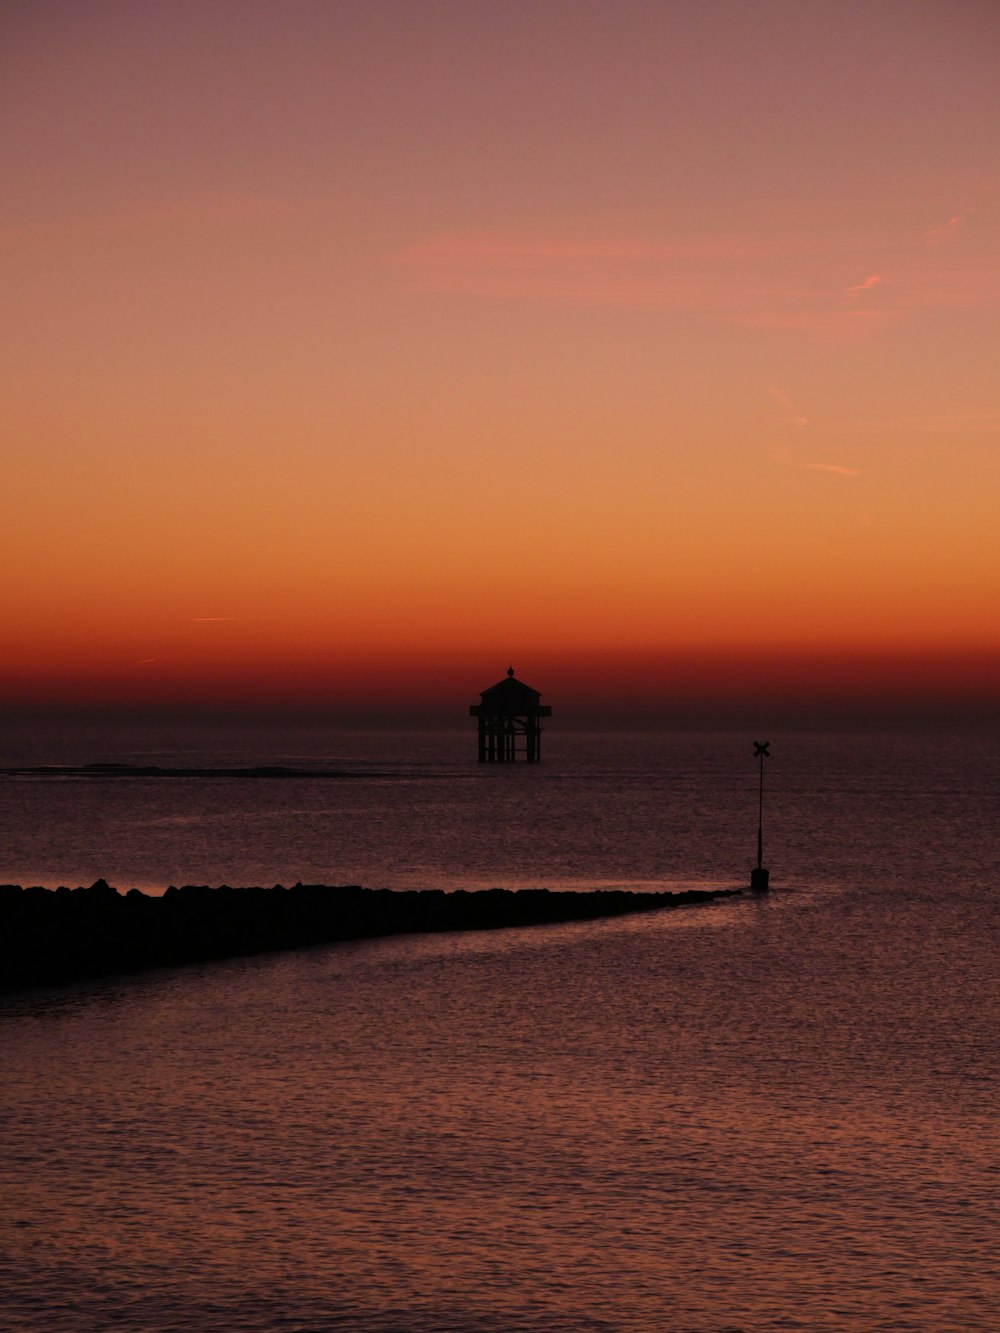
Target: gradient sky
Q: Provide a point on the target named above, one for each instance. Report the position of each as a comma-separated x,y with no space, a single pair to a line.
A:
352,346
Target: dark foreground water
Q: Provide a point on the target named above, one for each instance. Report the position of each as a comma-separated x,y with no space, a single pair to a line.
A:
761,1114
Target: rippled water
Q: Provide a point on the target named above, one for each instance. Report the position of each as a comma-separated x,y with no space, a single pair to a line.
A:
418,811
762,1114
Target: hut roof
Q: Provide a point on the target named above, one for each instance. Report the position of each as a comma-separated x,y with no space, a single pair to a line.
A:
511,694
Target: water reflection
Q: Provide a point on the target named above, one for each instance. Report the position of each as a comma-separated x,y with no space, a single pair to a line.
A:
739,1116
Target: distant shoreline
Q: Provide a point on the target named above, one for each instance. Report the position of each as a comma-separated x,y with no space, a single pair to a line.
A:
95,772
51,937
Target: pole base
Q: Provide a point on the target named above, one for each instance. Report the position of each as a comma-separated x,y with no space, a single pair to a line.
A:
758,879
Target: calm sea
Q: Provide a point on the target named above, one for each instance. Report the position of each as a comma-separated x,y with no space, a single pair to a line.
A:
762,1114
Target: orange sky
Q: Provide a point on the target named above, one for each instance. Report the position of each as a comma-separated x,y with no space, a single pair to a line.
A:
352,345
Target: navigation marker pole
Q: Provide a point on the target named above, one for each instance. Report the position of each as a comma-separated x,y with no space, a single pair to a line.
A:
759,876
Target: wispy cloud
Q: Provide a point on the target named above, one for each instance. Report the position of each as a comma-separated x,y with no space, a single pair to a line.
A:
954,422
788,455
475,249
681,273
784,400
866,286
835,468
782,283
950,230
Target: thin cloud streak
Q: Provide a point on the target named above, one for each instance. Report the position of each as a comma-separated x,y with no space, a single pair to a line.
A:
959,421
950,230
787,457
784,400
866,286
835,468
778,284
684,274
477,249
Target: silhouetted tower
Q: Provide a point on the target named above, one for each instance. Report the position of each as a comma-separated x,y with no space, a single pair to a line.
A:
508,710
759,875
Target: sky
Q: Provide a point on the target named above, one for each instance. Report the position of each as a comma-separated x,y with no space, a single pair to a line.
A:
352,351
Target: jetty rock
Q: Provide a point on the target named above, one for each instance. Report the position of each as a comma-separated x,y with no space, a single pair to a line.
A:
49,937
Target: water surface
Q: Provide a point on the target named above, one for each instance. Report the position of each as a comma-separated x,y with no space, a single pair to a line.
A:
759,1114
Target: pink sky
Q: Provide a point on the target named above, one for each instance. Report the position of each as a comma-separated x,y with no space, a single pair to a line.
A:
345,339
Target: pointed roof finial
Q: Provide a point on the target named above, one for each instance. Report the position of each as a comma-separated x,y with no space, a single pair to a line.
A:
510,671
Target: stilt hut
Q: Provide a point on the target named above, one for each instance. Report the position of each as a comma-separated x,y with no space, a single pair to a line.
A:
507,711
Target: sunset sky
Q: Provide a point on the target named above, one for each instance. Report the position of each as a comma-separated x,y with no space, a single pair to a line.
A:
352,350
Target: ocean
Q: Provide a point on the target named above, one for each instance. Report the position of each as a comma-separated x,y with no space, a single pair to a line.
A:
771,1112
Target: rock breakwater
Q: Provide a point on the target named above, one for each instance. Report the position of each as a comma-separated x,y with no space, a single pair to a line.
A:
50,937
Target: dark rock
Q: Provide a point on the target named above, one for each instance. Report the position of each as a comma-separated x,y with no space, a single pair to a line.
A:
47,938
